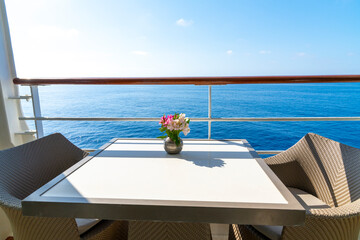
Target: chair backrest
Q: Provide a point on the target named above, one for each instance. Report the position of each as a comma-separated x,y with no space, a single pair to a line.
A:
25,168
332,167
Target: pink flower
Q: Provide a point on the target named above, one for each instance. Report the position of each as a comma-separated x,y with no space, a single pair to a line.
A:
169,119
162,120
166,120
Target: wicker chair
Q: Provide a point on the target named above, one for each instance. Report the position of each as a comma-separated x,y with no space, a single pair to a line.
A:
24,169
328,170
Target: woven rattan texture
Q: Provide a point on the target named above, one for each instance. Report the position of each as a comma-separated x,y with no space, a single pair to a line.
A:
140,230
242,232
331,171
26,168
106,230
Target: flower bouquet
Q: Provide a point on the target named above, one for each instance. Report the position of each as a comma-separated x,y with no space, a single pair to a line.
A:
172,126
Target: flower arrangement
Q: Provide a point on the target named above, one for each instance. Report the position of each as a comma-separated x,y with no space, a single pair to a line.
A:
172,125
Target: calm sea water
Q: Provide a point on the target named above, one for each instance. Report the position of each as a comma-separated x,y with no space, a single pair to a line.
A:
274,100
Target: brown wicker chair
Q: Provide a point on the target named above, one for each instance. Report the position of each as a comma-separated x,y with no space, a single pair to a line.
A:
23,170
328,170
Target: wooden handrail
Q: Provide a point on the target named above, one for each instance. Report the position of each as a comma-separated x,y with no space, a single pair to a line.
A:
190,80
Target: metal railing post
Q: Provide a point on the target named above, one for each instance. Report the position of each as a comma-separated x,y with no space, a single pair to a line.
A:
37,111
209,113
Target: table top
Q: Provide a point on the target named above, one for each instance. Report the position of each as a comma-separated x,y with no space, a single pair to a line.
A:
209,181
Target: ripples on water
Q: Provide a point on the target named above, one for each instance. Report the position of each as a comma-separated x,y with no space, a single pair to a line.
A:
271,100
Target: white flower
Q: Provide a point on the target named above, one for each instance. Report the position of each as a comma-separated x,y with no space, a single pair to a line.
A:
186,130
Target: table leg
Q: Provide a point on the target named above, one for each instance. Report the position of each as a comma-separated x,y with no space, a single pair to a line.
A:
219,231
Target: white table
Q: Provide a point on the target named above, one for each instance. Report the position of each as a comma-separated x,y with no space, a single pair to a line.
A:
210,181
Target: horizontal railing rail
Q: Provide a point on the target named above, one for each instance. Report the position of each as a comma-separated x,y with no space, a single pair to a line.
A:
280,119
190,80
38,118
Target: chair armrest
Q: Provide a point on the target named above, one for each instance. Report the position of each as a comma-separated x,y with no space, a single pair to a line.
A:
35,228
345,211
279,159
328,223
7,200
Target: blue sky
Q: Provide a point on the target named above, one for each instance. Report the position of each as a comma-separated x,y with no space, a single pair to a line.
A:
88,38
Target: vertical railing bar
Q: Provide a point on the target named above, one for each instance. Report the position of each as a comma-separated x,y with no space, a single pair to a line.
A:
37,110
209,113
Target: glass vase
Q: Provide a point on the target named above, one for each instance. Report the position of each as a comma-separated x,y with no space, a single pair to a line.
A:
171,147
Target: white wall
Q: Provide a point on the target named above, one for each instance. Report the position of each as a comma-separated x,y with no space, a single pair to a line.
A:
10,110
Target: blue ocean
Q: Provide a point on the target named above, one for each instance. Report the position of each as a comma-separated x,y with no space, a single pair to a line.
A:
256,100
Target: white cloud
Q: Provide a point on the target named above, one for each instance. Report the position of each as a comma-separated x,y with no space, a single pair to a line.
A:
229,52
140,53
300,54
350,54
265,52
184,23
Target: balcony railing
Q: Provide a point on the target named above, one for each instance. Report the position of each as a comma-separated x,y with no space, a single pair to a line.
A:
38,118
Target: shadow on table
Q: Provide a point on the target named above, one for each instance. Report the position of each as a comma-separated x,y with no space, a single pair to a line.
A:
199,158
